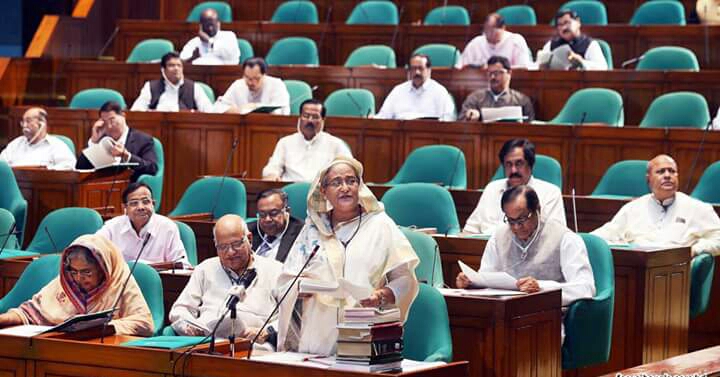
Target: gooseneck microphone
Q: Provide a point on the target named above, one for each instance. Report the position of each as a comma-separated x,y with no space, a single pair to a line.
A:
222,181
7,236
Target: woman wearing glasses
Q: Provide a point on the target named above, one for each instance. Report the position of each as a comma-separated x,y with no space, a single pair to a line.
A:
92,274
357,242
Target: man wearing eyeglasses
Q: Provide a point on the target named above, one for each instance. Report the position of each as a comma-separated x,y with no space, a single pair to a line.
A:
205,297
298,157
517,157
128,231
275,230
35,147
498,93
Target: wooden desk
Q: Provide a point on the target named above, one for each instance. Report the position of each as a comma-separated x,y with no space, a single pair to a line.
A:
48,190
700,363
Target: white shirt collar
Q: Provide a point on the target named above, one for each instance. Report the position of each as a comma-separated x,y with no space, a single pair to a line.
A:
124,136
148,228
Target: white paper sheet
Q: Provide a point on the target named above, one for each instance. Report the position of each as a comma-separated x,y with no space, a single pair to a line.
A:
341,289
485,292
492,114
26,331
497,280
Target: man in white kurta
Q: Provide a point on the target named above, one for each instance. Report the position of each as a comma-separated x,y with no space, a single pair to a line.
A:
35,147
665,217
255,89
496,41
205,297
128,231
518,158
419,97
212,46
298,157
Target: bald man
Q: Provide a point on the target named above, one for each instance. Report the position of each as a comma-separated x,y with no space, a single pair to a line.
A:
212,46
35,147
496,40
205,297
665,217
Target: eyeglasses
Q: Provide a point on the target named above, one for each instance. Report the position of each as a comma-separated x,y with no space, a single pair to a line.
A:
81,273
311,116
235,245
338,182
498,72
135,203
273,213
520,221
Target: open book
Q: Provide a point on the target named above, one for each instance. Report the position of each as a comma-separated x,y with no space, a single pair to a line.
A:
497,280
83,321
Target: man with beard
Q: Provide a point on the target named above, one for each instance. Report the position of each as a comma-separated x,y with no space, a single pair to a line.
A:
128,231
496,40
298,157
35,147
420,96
518,158
212,46
254,90
275,230
665,217
583,51
498,95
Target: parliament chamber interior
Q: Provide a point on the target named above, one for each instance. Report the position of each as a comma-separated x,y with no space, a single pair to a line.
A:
467,188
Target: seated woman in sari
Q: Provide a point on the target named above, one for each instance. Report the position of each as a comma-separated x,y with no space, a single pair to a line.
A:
359,243
92,273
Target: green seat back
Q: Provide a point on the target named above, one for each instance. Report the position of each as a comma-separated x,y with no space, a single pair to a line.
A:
11,198
187,236
590,12
592,105
377,12
246,50
95,97
546,168
295,12
707,187
299,92
293,51
434,164
36,276
222,8
63,226
518,15
623,180
350,102
607,52
438,208
429,270
67,142
202,195
669,58
588,322
150,51
426,335
372,54
156,181
448,15
678,109
148,280
297,194
659,12
208,91
702,269
441,54
8,236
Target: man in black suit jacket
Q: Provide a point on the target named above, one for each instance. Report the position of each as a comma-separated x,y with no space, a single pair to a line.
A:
275,230
129,145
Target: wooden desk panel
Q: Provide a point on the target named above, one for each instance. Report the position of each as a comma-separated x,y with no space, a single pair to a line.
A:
701,363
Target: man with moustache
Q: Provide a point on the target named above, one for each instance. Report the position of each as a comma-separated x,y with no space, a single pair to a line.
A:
420,96
585,53
498,94
298,157
275,230
212,46
255,89
35,147
518,158
665,217
495,40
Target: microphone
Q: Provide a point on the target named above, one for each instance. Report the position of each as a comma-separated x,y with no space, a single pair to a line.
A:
455,168
277,306
357,105
620,115
7,236
327,24
107,43
296,100
54,245
238,294
582,118
394,36
697,155
432,271
632,61
222,181
572,193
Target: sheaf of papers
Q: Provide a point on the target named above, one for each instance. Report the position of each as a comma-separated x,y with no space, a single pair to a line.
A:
26,331
485,292
492,114
341,289
305,359
99,154
497,280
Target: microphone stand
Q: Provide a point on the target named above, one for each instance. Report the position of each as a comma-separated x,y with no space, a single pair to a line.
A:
231,338
7,237
222,181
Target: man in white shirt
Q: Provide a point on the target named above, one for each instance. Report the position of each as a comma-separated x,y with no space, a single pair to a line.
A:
212,46
518,158
665,217
420,96
173,92
298,157
128,231
35,147
205,297
276,229
496,41
583,52
254,90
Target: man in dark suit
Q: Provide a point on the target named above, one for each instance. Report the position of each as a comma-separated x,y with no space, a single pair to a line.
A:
275,230
129,145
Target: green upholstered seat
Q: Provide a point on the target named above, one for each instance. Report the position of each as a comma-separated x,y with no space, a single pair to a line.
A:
607,52
677,110
11,198
156,181
67,142
376,12
546,168
148,280
518,15
590,12
707,187
380,55
222,8
299,92
592,105
187,236
659,12
441,54
403,201
246,50
429,270
623,180
209,92
293,51
702,269
352,102
297,198
35,276
426,332
202,195
443,164
668,58
8,232
93,98
61,227
295,12
448,15
150,51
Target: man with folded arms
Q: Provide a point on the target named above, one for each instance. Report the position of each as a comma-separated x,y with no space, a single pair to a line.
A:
35,147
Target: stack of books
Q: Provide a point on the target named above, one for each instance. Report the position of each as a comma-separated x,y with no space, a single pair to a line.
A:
370,340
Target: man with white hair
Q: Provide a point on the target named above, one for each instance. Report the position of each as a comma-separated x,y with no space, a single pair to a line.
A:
36,147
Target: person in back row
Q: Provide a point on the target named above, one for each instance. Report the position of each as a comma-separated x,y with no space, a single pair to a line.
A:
579,50
212,46
496,41
254,90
